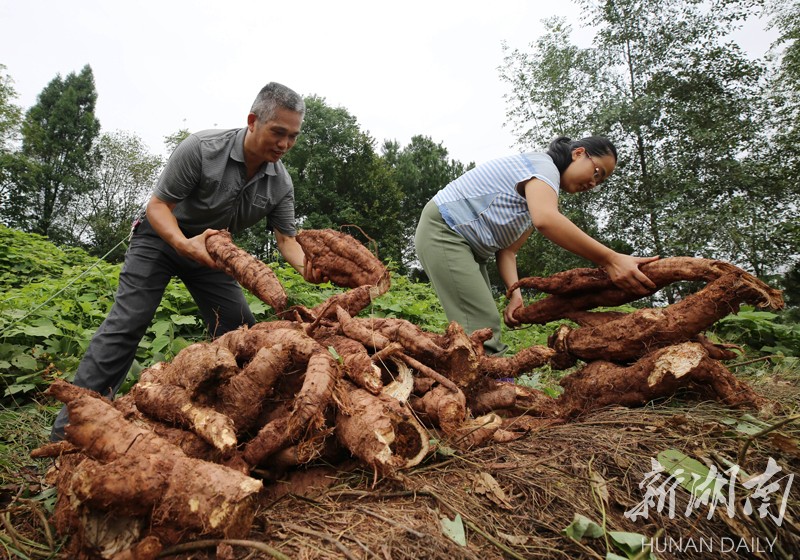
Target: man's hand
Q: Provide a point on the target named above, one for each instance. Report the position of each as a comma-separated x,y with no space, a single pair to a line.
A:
313,275
195,248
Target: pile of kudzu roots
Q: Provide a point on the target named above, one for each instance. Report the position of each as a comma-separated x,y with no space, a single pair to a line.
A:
178,455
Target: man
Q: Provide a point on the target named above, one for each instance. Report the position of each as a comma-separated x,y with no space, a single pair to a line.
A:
215,179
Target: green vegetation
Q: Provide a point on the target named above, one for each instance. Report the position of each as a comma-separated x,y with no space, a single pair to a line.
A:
54,299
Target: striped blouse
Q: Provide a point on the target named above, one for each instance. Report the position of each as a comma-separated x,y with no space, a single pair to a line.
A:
484,206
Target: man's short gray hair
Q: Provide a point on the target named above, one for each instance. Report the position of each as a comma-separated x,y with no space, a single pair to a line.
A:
273,96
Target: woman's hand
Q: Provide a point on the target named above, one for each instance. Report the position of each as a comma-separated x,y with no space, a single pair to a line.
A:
624,272
513,304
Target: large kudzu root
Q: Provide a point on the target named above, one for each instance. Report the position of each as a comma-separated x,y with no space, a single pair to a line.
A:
309,403
172,404
353,301
197,368
661,272
250,272
376,334
461,363
516,399
441,407
345,261
656,375
582,289
356,362
638,333
381,432
242,398
476,432
523,361
180,492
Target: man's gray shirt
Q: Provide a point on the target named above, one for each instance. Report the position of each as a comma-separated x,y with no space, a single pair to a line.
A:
207,177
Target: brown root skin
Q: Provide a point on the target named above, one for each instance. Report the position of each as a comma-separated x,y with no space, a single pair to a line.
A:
523,361
314,395
189,442
376,334
54,449
462,361
381,432
662,272
356,362
516,399
345,261
476,431
630,337
257,277
242,398
198,496
198,368
172,404
478,338
656,375
441,407
148,548
353,301
360,330
246,343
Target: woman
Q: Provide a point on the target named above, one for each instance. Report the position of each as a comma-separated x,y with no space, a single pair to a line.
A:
492,210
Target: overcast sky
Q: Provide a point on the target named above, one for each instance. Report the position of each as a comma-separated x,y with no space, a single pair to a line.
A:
401,68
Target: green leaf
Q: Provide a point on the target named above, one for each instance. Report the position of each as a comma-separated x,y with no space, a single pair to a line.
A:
183,319
335,354
15,388
44,329
442,449
25,362
454,530
630,543
581,527
159,344
161,327
690,473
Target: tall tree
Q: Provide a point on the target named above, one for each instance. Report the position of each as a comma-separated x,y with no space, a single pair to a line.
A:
340,181
126,172
58,133
10,116
784,160
677,96
420,169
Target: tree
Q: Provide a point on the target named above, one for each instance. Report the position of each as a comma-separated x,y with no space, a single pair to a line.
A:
340,181
685,107
56,162
125,174
171,141
420,169
10,116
